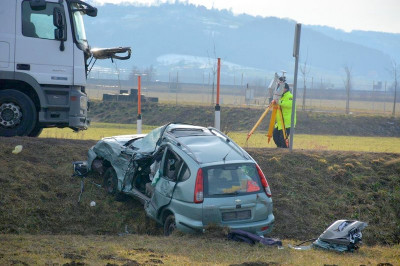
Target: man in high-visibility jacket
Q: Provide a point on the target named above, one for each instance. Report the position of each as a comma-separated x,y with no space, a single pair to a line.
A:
286,103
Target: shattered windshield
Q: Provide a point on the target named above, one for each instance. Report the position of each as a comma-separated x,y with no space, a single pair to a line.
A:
149,143
77,17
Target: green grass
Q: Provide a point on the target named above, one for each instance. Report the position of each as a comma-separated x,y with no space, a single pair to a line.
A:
174,250
96,131
324,142
258,140
311,189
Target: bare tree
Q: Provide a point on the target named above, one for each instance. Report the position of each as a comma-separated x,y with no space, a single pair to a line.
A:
150,73
395,71
347,84
305,70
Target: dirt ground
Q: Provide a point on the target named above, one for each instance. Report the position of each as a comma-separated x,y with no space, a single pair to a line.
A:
310,191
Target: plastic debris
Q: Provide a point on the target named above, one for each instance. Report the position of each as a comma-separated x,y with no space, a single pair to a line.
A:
17,149
92,204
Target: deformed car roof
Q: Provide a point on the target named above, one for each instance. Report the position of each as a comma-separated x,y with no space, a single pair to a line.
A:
207,144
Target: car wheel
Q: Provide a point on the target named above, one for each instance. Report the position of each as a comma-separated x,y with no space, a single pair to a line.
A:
110,182
17,114
169,225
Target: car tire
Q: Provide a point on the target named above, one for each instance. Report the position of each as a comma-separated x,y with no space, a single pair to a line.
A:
110,181
12,103
169,225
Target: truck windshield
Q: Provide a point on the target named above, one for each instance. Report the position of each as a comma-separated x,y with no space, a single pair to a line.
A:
79,27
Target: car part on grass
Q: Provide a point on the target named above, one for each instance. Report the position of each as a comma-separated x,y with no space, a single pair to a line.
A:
81,170
342,235
249,238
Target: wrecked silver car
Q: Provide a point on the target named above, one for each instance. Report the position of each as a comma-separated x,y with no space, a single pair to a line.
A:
187,177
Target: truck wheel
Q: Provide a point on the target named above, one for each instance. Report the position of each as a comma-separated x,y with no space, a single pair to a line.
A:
36,131
169,225
17,114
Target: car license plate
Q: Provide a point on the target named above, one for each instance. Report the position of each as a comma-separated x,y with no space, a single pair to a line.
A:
239,215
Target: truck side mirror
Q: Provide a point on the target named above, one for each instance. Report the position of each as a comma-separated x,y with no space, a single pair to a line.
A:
38,5
58,18
59,22
59,34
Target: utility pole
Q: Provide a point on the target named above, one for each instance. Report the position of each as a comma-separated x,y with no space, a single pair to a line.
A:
384,102
296,50
176,89
217,106
139,116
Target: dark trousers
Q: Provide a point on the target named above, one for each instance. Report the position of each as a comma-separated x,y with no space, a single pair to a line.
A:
279,140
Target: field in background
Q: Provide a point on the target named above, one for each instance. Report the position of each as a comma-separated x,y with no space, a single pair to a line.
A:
189,94
258,140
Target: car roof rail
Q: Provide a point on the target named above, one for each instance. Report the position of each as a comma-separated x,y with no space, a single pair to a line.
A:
229,140
171,138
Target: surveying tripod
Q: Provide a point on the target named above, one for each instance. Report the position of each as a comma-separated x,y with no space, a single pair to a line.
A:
277,84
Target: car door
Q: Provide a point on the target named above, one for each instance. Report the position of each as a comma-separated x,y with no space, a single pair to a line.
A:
37,52
164,189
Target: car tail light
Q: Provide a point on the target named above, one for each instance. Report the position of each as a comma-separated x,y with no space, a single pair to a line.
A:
264,228
198,189
264,182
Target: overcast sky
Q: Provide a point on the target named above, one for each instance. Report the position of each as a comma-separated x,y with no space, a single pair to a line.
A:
372,15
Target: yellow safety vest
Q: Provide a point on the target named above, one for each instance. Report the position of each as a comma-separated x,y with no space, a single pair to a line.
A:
286,103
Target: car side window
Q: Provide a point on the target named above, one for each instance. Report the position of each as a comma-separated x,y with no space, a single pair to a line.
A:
184,174
172,165
38,23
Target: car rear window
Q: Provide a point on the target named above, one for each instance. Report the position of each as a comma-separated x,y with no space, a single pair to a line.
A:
232,179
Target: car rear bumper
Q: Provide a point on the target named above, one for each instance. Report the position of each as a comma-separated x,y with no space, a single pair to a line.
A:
260,227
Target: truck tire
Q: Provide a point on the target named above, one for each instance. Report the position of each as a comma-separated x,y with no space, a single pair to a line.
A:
18,114
36,131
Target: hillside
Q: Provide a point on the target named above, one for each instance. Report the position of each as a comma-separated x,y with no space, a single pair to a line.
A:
310,191
243,119
184,37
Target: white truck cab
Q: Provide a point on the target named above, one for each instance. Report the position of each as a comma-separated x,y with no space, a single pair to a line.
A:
44,58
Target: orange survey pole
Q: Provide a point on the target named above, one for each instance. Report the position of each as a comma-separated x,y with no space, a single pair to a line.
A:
218,78
217,106
139,116
258,122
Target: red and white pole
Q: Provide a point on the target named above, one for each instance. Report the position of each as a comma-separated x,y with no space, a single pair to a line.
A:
217,121
139,116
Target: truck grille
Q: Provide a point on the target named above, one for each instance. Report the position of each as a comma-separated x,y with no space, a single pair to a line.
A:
239,215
